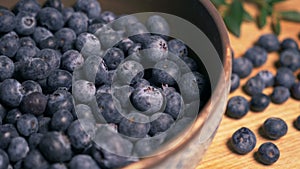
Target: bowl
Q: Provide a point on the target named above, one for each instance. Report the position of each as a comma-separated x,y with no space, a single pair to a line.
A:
187,150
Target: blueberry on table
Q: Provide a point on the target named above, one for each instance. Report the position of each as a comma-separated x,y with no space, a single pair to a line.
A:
50,18
92,8
259,102
35,159
280,94
7,21
289,43
17,149
290,58
284,77
243,140
27,124
295,90
7,133
4,160
242,67
267,77
55,147
237,107
83,161
6,68
268,153
254,85
274,128
257,55
269,42
234,82
297,123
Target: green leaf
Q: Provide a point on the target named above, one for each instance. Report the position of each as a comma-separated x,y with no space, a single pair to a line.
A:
262,18
290,15
218,3
272,2
276,25
234,16
247,17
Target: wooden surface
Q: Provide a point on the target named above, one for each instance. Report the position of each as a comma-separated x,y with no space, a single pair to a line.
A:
218,154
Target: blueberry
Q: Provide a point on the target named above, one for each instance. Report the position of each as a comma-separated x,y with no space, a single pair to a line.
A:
6,67
13,116
94,27
83,91
259,102
35,159
31,6
166,72
274,128
243,140
257,55
108,37
25,53
50,56
27,41
297,123
34,103
7,133
269,42
87,41
147,99
51,43
44,124
160,122
27,124
284,77
235,82
137,31
67,12
254,85
34,140
59,79
66,38
155,49
9,44
58,166
190,64
237,107
78,135
55,147
290,58
60,99
295,90
41,33
123,93
109,107
174,104
280,94
129,72
104,89
242,67
108,16
11,92
4,160
113,57
71,60
267,77
3,111
268,153
50,18
178,48
123,21
125,45
35,69
289,43
134,51
25,23
57,4
96,70
91,7
134,125
7,21
17,149
140,83
61,120
78,22
83,161
158,25
30,86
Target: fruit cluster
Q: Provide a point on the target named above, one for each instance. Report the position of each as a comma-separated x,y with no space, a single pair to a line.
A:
56,61
284,86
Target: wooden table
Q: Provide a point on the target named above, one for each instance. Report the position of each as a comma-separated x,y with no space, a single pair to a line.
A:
218,154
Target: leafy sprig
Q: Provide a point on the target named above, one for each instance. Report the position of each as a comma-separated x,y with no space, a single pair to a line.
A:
234,14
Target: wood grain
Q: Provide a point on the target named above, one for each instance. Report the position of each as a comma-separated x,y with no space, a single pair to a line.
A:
219,155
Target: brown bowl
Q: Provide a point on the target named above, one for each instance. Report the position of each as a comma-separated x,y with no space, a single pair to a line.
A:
187,150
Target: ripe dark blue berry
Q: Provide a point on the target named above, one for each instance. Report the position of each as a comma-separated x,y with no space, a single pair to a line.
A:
108,16
17,149
7,21
71,60
34,140
25,23
30,86
243,140
9,44
34,103
4,159
160,122
27,41
254,86
41,33
50,18
134,125
178,48
78,22
31,6
57,4
113,57
83,161
58,166
11,92
268,153
60,99
66,38
269,42
78,136
235,82
166,72
284,77
35,159
257,55
280,94
237,107
267,77
34,69
44,124
242,67
6,68
27,124
59,79
290,58
297,123
274,128
289,43
13,116
25,53
259,102
61,120
51,43
174,104
91,7
7,132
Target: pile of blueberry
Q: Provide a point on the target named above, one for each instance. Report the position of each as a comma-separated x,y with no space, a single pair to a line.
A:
284,83
56,61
